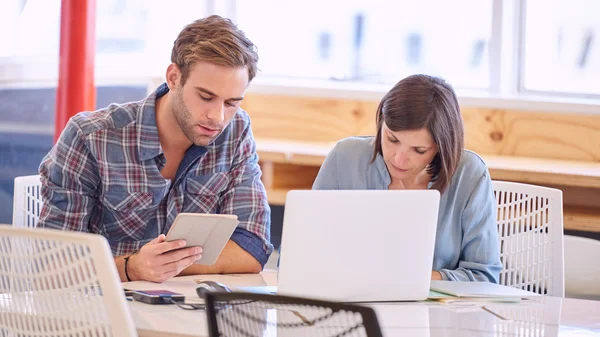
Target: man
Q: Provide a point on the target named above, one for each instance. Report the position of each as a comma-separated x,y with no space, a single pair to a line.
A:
127,170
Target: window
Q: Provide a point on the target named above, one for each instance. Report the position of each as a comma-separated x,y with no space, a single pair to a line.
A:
136,36
562,46
376,41
31,28
133,38
497,47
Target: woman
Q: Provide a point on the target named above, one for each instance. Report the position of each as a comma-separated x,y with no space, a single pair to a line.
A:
419,145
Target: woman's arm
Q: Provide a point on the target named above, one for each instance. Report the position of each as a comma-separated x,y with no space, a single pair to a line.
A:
480,250
327,179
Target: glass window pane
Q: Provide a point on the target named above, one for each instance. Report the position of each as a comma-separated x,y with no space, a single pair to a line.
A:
165,20
123,27
37,28
136,36
562,46
376,41
8,14
120,26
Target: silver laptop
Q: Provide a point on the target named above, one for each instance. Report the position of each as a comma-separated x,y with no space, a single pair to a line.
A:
358,245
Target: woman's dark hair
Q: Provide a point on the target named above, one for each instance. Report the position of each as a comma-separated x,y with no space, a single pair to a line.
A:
421,101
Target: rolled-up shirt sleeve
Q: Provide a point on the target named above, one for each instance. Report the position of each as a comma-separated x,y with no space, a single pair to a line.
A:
246,197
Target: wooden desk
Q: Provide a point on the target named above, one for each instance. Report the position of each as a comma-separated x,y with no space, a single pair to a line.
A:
548,316
528,170
291,165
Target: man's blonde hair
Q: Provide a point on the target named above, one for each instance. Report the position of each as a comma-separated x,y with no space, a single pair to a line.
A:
215,40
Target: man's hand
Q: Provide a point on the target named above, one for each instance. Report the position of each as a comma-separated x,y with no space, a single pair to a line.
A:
436,275
158,261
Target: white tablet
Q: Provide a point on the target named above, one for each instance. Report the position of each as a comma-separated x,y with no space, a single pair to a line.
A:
209,231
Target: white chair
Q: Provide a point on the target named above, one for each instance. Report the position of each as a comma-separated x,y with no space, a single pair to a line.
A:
60,283
530,224
582,270
27,201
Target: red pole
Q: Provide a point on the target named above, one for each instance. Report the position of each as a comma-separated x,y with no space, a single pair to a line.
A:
76,91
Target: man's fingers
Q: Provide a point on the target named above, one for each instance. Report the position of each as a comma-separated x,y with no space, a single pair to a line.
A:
164,247
180,254
158,239
179,265
186,253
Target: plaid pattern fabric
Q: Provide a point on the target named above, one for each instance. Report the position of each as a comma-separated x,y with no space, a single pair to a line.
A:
103,176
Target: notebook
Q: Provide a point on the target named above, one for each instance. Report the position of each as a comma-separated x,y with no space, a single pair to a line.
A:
483,290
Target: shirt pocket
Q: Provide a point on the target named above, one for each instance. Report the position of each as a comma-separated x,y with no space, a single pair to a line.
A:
203,192
126,215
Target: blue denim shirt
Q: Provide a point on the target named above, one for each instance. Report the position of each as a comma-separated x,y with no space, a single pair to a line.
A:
467,246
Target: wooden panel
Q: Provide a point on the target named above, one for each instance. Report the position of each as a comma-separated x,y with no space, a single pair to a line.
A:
268,173
293,152
276,196
547,149
288,177
577,196
544,171
308,119
533,134
582,219
488,131
527,170
294,176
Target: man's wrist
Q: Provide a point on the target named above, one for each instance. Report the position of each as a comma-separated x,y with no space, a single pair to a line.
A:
129,273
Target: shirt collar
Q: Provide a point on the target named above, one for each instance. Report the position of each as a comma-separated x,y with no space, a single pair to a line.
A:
147,131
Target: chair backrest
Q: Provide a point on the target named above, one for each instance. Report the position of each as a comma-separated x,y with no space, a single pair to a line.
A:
582,270
247,314
27,201
60,283
530,225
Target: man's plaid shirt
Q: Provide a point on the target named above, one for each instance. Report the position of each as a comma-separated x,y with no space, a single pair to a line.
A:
103,176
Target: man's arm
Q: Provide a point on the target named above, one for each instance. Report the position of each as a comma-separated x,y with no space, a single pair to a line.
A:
70,180
159,260
233,259
249,248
